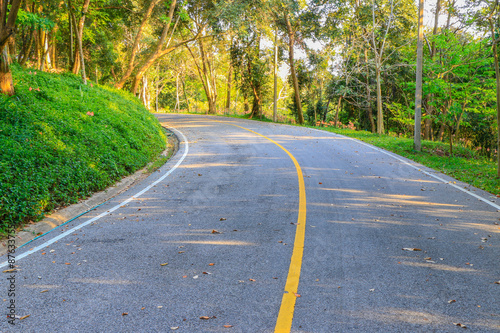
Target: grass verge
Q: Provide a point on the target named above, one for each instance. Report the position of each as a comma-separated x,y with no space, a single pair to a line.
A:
62,141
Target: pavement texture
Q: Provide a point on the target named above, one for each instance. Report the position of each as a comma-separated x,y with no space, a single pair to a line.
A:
205,244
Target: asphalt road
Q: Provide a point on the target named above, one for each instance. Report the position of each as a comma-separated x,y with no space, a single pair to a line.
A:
207,242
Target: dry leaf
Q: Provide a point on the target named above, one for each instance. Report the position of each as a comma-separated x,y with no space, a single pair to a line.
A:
428,258
251,280
204,317
10,270
24,317
143,308
215,232
125,313
181,252
460,325
222,219
184,276
67,263
164,264
44,291
228,326
411,249
211,264
297,295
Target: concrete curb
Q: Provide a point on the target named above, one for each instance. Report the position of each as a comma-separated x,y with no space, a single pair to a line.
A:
63,215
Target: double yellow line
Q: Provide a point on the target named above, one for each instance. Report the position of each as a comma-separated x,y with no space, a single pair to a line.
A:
285,315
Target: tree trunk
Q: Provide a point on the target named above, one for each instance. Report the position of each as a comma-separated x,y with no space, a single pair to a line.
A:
78,60
428,133
6,83
291,38
368,95
185,95
157,53
497,76
380,116
228,95
135,47
80,49
336,121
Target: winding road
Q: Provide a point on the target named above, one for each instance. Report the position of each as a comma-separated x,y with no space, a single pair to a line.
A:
260,227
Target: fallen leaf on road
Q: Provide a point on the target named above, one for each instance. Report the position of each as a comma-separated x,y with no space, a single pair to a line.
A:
297,295
460,325
228,326
164,264
181,252
67,263
10,270
216,232
204,317
24,317
184,276
143,308
428,258
125,313
222,219
44,291
251,280
411,249
211,264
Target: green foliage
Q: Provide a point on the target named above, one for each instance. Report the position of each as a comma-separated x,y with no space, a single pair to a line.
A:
62,141
34,21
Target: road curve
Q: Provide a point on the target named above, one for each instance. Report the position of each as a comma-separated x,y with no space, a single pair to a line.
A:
205,244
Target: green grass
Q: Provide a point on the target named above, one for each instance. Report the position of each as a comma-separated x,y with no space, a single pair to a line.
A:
464,164
61,141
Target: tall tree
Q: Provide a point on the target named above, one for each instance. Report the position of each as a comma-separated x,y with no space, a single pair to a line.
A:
8,16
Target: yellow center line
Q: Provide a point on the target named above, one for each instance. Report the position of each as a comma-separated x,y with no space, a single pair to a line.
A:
285,315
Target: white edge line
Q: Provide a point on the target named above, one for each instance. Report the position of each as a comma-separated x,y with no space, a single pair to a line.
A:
66,233
414,167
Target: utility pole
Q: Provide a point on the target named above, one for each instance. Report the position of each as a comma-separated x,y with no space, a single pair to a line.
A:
275,107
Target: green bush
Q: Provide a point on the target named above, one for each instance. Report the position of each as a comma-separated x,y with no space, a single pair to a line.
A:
61,141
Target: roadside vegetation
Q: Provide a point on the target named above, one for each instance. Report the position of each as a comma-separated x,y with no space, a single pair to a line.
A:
61,141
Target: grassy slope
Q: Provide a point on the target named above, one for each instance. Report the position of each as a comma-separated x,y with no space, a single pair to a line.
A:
464,165
62,140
